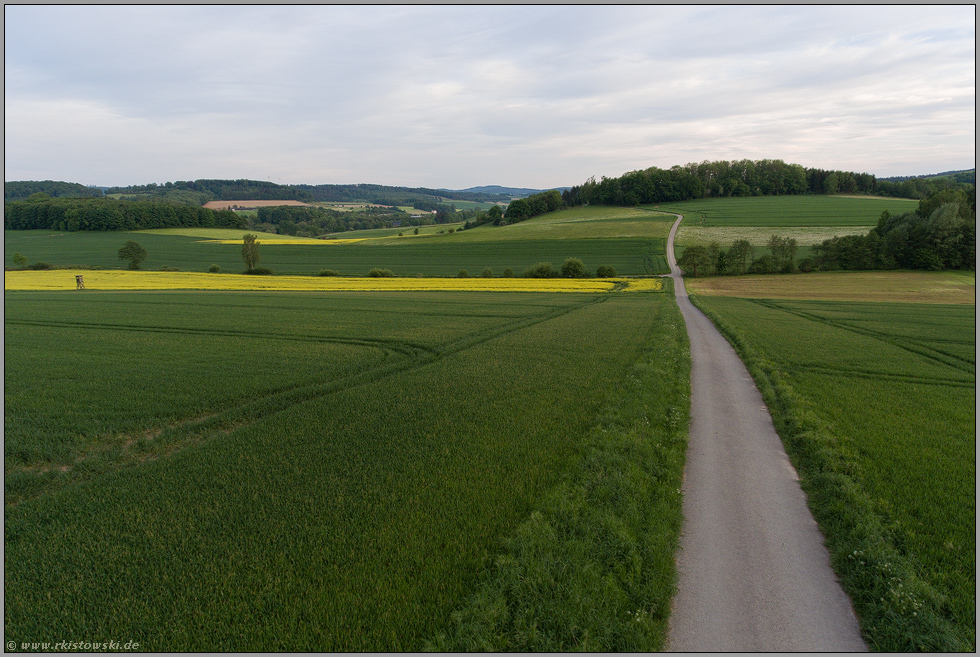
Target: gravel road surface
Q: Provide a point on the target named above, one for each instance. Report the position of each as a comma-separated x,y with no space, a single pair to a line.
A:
754,573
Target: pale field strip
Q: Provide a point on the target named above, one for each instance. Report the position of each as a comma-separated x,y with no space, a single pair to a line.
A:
897,286
690,235
64,279
227,205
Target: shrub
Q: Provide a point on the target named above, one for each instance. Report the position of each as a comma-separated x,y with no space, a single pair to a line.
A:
487,273
763,265
380,273
20,261
573,268
540,270
807,265
605,271
168,268
462,273
508,273
329,272
214,269
259,271
39,265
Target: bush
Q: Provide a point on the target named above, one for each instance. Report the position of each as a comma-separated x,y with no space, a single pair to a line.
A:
605,271
763,265
39,265
487,273
462,273
329,272
20,261
168,268
508,273
259,271
214,269
573,268
807,265
540,270
380,273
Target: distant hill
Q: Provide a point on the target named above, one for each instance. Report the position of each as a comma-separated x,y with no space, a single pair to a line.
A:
18,190
961,175
506,191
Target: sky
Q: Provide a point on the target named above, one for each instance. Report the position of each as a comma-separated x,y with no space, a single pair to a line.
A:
462,96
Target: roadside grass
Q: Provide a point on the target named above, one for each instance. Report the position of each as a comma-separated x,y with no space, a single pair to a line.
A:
271,471
592,568
958,287
876,405
788,211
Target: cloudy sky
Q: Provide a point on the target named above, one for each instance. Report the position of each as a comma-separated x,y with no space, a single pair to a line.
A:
459,96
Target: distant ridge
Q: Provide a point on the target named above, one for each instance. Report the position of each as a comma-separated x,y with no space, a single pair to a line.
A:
508,191
960,175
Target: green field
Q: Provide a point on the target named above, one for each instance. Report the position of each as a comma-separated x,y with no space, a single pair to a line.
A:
630,240
876,403
331,472
788,211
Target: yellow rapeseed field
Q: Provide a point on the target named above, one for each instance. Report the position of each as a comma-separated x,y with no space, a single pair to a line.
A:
64,279
643,284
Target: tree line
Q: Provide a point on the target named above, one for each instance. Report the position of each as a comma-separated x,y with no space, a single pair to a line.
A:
315,221
199,192
940,234
717,179
41,212
20,190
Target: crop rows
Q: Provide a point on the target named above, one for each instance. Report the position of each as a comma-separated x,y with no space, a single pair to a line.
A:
787,211
431,255
336,493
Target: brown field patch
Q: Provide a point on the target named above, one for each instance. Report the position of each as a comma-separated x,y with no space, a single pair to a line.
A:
904,286
244,205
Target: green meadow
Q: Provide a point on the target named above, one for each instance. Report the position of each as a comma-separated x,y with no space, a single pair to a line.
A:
876,403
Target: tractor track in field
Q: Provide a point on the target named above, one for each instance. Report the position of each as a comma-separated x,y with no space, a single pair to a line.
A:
753,571
157,442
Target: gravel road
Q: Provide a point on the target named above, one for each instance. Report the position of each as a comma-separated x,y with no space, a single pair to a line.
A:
754,573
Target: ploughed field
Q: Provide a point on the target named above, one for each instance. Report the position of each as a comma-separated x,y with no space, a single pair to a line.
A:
331,471
876,403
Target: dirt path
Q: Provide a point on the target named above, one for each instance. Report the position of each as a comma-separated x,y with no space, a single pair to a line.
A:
754,574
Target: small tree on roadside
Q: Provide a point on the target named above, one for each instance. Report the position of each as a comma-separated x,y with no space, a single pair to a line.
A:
19,260
250,251
132,252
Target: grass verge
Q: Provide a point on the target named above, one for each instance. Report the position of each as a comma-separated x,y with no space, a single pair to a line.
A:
899,610
593,567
